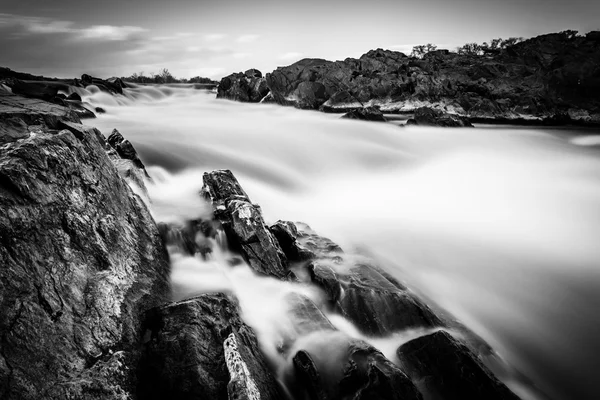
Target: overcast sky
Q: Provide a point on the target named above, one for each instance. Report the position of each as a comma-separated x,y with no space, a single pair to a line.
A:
214,38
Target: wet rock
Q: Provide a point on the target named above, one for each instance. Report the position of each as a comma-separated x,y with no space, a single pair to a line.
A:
287,236
114,86
199,348
366,374
243,224
124,148
431,117
100,110
365,114
81,261
443,368
74,97
245,87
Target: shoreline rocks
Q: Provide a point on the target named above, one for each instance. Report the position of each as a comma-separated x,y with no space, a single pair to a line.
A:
549,79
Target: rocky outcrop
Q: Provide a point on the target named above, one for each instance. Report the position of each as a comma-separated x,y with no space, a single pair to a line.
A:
81,261
245,87
200,349
444,368
533,81
243,223
431,117
114,85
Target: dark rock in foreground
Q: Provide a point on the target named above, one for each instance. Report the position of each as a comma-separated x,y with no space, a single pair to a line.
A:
365,114
446,369
81,260
243,223
431,117
200,349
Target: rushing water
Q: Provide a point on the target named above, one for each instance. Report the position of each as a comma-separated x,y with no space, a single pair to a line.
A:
500,226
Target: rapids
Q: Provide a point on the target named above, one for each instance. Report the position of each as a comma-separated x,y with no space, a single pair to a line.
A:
497,225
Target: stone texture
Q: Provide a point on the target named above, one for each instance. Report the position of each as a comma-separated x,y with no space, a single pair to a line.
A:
446,369
243,224
432,117
81,259
200,349
245,87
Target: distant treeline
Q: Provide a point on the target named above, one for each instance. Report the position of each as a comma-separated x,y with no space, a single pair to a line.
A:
163,76
485,48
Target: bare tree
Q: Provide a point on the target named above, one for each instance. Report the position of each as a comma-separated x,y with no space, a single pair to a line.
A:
421,50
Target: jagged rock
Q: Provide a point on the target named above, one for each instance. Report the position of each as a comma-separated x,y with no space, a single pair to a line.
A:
443,368
243,224
192,238
81,259
365,114
431,117
200,349
115,86
74,97
326,364
244,87
19,116
124,148
287,236
533,80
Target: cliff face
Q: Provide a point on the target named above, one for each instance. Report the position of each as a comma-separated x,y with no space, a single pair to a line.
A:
552,76
80,261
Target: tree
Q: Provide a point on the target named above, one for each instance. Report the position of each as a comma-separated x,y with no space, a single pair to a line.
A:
569,34
472,49
165,76
421,50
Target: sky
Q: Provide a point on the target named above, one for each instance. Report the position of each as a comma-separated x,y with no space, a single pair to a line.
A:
215,38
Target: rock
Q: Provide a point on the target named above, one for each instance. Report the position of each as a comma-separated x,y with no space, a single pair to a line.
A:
100,110
532,80
124,148
243,224
366,114
244,87
199,348
36,89
366,374
74,97
287,236
431,117
81,261
115,86
19,116
444,368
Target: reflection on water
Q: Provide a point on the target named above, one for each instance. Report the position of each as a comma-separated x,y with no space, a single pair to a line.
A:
498,226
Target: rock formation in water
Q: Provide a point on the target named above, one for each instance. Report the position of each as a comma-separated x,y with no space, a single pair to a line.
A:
552,79
86,303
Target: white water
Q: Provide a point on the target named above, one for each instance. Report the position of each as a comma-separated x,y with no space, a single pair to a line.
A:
498,226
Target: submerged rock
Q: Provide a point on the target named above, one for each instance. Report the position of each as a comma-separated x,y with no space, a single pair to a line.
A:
81,261
431,117
200,348
366,114
444,368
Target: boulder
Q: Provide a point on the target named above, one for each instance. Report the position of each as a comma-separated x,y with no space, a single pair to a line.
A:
113,86
244,87
81,261
124,148
366,114
444,368
200,349
432,117
243,224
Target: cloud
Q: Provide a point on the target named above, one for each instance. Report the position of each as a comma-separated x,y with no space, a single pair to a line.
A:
292,55
213,37
241,55
23,26
247,38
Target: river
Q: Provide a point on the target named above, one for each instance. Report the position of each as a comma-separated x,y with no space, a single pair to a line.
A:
498,225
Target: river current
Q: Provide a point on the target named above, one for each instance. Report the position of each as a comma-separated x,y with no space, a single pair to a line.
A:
499,226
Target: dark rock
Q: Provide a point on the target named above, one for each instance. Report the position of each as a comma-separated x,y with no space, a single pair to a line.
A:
366,114
309,95
444,368
74,97
243,224
81,261
287,234
244,87
80,131
124,148
114,87
200,349
431,117
253,73
100,110
36,89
